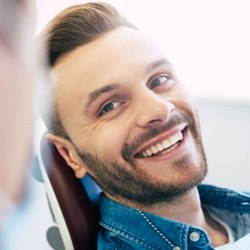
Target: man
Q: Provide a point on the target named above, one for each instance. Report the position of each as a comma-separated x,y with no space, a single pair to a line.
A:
121,115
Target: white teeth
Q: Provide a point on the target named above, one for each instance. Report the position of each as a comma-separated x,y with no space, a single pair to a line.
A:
160,147
148,152
166,144
172,139
163,145
179,136
154,149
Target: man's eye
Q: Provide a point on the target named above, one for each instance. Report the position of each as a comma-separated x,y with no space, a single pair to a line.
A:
108,107
160,80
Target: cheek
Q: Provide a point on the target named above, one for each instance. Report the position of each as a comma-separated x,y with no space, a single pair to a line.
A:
184,102
106,142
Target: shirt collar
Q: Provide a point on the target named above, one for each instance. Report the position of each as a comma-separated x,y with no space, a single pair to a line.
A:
224,198
130,224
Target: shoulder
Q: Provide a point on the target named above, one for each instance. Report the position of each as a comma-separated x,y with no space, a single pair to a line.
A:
224,198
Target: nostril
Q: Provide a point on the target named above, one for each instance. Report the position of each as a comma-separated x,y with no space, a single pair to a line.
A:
156,110
155,116
155,121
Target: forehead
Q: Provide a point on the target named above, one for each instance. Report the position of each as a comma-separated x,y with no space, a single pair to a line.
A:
109,57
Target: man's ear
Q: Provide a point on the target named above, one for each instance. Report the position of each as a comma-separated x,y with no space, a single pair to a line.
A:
69,154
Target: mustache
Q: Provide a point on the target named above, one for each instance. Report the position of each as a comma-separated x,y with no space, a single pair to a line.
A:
151,132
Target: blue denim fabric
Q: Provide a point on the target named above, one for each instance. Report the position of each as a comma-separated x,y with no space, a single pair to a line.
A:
124,228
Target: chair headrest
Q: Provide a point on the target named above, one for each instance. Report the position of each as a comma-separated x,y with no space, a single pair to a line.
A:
74,198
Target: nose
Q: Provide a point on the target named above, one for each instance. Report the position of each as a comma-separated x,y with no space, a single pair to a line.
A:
153,109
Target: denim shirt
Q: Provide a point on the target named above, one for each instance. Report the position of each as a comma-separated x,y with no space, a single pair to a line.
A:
125,228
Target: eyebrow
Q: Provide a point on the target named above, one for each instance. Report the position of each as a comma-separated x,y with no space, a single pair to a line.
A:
156,64
98,92
107,88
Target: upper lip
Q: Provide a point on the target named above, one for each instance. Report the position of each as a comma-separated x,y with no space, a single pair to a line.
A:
160,138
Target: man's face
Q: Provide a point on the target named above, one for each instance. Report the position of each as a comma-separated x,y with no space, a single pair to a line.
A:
129,118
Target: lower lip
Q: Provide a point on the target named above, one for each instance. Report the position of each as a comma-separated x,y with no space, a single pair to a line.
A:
176,152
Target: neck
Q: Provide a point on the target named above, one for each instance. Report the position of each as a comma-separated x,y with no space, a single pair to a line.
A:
187,209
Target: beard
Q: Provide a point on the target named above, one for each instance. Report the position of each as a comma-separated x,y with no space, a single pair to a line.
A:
126,182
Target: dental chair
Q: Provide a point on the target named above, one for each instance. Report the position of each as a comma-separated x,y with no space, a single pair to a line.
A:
74,202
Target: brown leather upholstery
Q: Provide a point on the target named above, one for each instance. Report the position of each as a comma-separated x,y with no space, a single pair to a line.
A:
80,215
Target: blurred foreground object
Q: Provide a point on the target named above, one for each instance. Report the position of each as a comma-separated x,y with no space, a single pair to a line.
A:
17,91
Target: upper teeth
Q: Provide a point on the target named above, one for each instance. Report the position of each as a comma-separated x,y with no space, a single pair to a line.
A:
160,146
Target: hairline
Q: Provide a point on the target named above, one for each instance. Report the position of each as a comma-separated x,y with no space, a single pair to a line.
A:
56,114
107,19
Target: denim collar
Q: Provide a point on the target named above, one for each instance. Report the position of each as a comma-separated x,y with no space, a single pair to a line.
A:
129,223
224,198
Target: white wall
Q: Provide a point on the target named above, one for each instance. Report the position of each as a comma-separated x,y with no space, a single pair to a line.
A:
225,127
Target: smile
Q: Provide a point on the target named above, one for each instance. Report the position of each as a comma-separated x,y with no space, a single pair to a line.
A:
165,146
